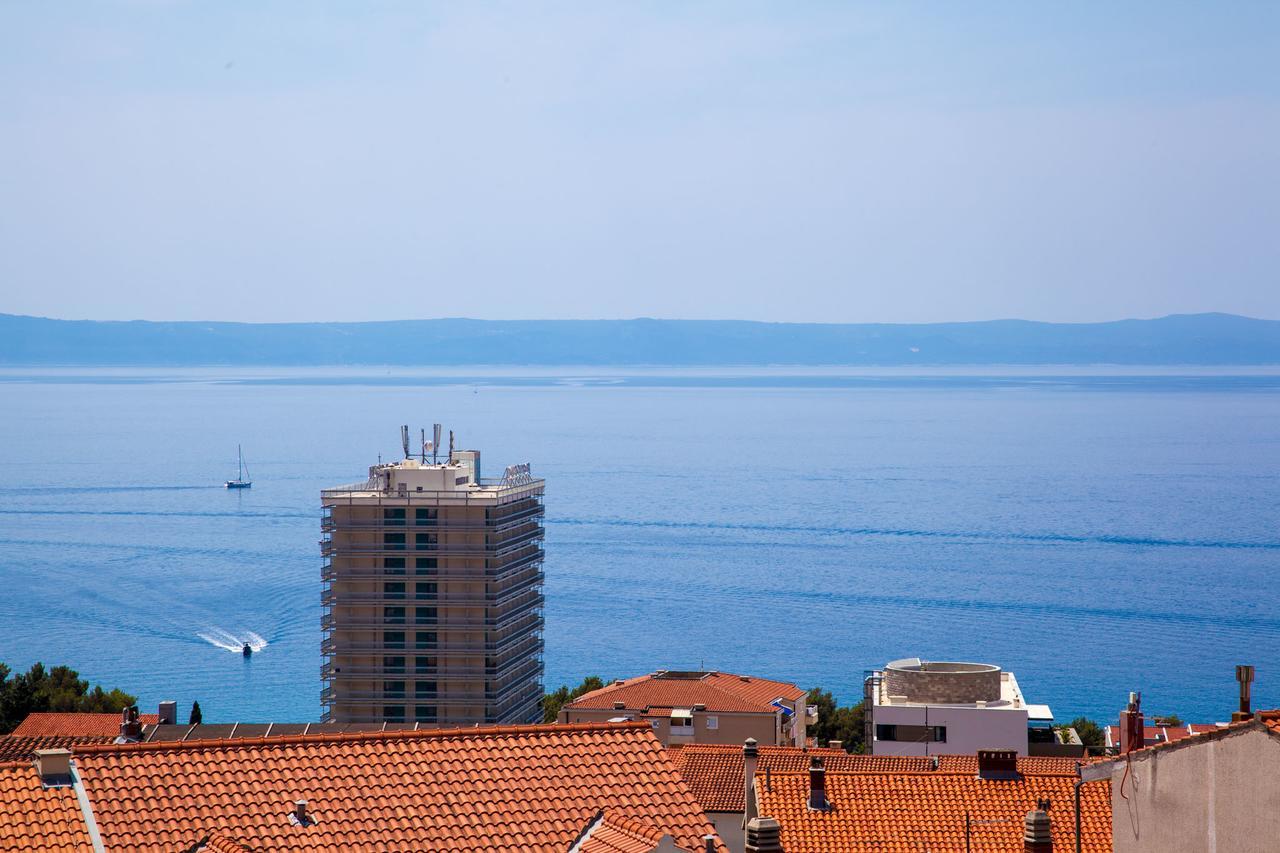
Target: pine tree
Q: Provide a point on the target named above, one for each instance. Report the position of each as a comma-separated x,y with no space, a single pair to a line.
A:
195,714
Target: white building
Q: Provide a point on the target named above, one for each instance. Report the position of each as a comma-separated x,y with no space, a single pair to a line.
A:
917,707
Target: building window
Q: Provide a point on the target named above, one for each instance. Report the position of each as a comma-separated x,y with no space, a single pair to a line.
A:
713,723
424,689
682,722
392,517
393,616
426,515
425,713
427,565
393,689
655,723
393,665
393,589
939,734
393,541
426,640
424,665
884,732
393,565
393,639
426,591
425,615
393,713
425,540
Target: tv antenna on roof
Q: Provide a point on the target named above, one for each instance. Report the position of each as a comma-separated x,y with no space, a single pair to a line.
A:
424,445
435,447
404,439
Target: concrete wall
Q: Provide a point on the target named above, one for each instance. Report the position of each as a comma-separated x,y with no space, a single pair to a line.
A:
730,728
1218,796
968,729
944,683
730,829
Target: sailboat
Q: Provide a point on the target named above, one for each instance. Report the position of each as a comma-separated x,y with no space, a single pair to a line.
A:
240,482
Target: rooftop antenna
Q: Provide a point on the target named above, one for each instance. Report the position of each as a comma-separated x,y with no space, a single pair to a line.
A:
424,445
435,446
404,440
451,444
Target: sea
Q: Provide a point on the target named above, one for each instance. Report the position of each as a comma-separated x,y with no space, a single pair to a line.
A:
1094,530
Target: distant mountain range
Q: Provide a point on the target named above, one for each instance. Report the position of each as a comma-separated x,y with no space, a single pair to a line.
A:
1186,339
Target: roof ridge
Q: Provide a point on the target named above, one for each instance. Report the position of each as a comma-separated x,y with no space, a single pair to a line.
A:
358,737
845,771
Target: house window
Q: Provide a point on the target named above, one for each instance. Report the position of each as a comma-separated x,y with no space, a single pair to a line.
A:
393,589
393,713
426,591
393,541
425,540
425,615
424,689
424,713
424,664
394,665
713,723
426,640
939,734
884,732
393,565
393,689
393,639
682,722
393,517
427,565
393,615
425,515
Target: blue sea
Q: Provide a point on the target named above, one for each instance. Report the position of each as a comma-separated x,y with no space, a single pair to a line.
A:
1094,531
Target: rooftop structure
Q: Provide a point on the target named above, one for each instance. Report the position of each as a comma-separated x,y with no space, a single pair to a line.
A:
701,707
39,809
917,707
74,725
433,593
502,788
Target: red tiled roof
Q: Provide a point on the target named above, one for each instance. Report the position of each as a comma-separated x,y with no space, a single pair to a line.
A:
502,788
223,844
715,772
13,747
618,834
1152,735
721,692
33,817
52,724
910,812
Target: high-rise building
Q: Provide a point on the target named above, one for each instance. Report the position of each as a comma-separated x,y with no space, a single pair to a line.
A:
433,594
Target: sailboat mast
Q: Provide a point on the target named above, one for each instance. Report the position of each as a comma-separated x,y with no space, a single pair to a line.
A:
240,457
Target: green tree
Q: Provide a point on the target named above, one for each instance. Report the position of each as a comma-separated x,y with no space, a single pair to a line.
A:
555,700
196,717
1091,734
845,724
57,689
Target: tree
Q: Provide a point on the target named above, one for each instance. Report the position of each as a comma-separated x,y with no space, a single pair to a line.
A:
1091,734
836,723
555,700
57,689
196,716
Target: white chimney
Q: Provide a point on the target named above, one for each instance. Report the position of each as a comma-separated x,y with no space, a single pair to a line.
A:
168,713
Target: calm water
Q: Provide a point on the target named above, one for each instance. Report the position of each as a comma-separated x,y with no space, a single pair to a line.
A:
1095,534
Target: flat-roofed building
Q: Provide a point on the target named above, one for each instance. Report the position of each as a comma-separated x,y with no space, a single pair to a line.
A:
433,594
917,707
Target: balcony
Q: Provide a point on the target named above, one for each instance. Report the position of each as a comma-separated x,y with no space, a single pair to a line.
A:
492,570
338,598
329,524
331,548
528,643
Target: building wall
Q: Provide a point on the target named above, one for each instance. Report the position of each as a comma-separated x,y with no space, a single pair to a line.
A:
943,685
968,729
730,728
729,826
1218,796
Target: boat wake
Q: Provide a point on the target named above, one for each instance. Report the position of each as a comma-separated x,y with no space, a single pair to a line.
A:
232,643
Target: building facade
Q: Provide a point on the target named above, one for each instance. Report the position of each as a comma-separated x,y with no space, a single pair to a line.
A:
917,707
432,607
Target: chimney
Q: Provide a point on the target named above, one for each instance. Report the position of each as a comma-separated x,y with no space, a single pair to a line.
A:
1244,675
1000,765
299,816
168,713
54,767
618,706
764,835
817,786
750,757
130,726
1036,837
1132,728
709,843
835,744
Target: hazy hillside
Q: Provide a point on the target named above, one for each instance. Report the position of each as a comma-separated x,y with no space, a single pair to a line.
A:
1181,339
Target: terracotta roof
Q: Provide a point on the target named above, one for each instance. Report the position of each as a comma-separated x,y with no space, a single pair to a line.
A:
223,844
13,748
1152,735
1266,720
721,692
502,788
75,725
33,817
909,812
715,772
617,834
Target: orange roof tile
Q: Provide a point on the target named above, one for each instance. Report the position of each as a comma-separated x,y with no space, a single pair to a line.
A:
502,788
13,747
617,834
33,817
909,812
715,772
223,844
51,724
721,692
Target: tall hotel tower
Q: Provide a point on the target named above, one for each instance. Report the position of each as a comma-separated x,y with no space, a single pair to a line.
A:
433,593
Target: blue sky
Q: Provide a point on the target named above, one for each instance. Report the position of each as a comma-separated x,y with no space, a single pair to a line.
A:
785,161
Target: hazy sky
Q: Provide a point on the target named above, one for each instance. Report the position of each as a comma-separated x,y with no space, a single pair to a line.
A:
789,161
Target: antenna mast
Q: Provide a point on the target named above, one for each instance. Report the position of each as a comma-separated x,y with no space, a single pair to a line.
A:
435,447
404,439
